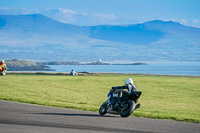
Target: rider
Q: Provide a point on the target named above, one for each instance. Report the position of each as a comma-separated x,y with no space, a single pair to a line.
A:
3,65
128,85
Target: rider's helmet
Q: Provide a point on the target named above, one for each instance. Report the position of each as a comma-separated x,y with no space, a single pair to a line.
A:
129,81
2,61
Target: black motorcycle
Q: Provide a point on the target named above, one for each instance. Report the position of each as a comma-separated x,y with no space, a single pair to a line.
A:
122,103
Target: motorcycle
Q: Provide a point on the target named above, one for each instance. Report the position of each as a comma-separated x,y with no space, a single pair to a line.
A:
2,71
122,103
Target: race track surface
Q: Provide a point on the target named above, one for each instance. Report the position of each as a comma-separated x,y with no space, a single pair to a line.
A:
18,118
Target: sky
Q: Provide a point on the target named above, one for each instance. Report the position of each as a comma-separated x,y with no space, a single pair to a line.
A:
111,12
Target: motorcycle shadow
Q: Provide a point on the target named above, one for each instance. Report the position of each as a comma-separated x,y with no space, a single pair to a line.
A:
78,114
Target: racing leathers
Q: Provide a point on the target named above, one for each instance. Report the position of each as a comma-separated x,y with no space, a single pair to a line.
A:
130,87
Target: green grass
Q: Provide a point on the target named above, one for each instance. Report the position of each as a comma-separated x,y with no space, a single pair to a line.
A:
164,97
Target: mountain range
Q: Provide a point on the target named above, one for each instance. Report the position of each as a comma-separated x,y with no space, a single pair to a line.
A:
37,37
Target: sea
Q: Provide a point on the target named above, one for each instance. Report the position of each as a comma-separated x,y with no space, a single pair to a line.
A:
187,69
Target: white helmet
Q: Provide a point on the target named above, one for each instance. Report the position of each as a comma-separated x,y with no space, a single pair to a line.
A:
2,61
128,81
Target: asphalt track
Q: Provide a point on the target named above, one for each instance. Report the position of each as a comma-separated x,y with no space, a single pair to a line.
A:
26,118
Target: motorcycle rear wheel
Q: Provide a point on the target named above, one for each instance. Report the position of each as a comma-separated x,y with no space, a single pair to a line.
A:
103,109
129,110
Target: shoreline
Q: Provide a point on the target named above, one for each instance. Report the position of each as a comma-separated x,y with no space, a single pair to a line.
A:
90,74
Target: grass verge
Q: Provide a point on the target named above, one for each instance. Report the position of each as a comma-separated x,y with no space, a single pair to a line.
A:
164,97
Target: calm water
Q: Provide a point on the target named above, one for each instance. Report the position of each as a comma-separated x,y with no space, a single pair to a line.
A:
153,68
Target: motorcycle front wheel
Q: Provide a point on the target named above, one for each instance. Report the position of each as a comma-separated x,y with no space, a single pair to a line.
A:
3,73
129,110
103,108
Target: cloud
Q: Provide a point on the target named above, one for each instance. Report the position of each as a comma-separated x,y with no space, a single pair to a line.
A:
183,21
196,21
81,18
189,22
102,16
66,11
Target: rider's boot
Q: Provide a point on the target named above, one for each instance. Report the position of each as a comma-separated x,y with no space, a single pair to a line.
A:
137,106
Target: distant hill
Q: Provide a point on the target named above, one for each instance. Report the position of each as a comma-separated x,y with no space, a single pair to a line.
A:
144,33
37,37
22,65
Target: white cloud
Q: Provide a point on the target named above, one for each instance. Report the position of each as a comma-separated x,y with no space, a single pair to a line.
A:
105,16
79,18
183,21
66,11
196,21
